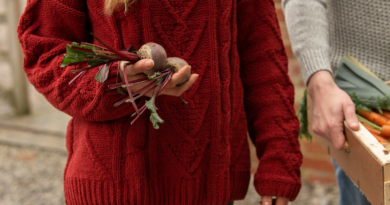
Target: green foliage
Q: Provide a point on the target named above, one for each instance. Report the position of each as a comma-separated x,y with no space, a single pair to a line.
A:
92,56
155,75
378,103
154,117
102,74
303,121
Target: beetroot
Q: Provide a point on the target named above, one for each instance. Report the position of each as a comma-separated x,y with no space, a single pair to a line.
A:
104,56
175,64
156,53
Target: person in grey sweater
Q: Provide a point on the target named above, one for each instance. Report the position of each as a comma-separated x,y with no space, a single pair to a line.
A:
321,33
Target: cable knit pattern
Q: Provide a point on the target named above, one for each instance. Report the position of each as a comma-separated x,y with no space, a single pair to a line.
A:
200,155
323,31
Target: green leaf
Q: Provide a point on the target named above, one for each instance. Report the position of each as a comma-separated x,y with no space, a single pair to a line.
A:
150,105
158,82
120,91
97,61
102,74
74,44
67,61
303,121
154,117
151,77
73,52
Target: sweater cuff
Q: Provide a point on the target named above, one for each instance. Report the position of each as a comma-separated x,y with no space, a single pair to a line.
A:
277,188
313,61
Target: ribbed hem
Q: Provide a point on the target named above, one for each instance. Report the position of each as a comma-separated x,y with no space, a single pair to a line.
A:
277,188
313,61
239,184
158,191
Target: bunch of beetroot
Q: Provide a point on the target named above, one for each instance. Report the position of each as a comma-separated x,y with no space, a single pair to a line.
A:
104,56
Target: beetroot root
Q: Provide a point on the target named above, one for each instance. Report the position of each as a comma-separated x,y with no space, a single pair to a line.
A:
175,64
156,53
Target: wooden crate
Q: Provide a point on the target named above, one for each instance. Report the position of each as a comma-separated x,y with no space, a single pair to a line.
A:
367,162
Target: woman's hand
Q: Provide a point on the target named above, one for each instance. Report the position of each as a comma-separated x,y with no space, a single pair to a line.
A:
135,71
267,200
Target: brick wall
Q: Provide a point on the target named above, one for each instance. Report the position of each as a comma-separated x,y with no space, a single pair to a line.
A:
317,165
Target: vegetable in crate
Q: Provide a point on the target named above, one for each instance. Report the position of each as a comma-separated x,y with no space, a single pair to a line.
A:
104,56
366,90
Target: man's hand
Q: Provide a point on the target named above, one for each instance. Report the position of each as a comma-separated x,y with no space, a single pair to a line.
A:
134,71
267,200
331,106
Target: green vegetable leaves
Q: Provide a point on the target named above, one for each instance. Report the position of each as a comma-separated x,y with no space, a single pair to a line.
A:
151,77
303,121
154,117
77,53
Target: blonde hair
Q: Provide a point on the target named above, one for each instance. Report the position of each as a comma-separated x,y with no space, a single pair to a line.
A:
111,5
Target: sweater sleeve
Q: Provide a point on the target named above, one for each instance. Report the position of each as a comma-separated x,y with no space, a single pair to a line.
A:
268,98
44,30
307,24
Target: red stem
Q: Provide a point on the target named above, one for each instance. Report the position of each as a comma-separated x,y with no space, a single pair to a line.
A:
117,85
165,83
137,94
132,57
134,82
82,49
90,44
87,68
160,88
142,111
129,90
77,76
142,94
120,102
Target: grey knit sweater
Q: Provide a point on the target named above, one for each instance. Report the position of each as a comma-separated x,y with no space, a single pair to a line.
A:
322,32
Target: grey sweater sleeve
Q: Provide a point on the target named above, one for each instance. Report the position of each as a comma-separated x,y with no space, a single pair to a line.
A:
307,25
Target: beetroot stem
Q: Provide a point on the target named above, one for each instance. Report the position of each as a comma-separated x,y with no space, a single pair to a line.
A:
129,90
164,84
77,76
131,84
93,45
142,111
133,57
117,85
120,102
87,68
137,94
143,93
82,49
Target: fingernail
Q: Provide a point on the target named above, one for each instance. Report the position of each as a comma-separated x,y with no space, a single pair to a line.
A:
346,145
266,203
149,63
190,67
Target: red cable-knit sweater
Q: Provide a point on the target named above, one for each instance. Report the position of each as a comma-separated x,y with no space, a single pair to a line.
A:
200,154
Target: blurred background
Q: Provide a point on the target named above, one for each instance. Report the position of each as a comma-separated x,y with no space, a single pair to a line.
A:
32,132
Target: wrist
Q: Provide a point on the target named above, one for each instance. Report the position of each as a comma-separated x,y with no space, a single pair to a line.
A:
321,80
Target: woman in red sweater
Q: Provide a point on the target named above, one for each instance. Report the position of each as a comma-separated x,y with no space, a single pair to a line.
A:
200,154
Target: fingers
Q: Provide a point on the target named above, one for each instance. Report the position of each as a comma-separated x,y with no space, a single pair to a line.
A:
179,90
281,201
266,200
350,116
139,67
337,136
177,77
